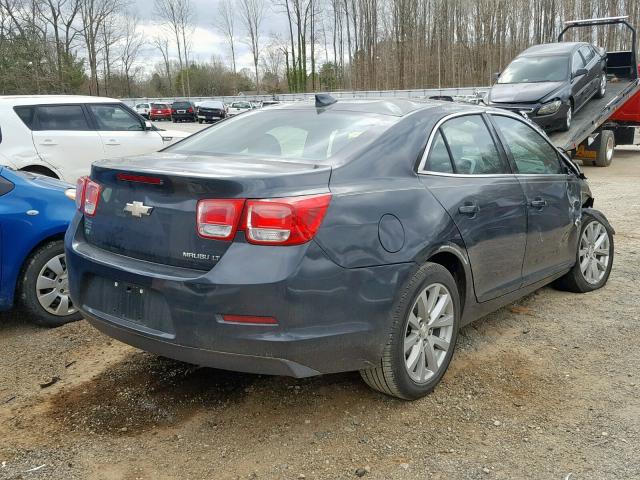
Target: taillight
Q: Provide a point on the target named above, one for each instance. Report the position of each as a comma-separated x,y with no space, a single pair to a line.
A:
251,319
91,197
284,221
219,218
190,110
80,184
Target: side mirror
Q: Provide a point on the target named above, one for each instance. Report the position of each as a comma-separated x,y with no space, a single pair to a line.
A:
579,73
148,125
495,76
602,52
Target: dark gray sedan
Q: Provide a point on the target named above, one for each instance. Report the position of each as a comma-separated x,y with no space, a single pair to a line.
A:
308,239
551,82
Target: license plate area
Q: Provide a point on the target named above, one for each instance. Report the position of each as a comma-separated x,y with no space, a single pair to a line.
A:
128,301
181,111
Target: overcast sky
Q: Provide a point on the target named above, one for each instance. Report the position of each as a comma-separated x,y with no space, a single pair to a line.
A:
206,40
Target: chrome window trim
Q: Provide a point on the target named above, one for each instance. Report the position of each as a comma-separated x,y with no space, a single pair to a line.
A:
434,130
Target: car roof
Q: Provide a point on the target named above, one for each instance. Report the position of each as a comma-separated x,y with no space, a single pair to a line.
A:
558,48
53,99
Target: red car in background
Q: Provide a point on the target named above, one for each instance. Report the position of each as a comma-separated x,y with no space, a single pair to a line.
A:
160,111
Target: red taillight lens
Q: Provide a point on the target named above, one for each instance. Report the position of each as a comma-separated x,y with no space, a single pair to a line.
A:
219,218
284,221
80,184
249,319
91,197
190,110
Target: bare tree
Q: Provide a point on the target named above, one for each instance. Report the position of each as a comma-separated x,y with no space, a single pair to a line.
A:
178,16
226,26
131,44
252,14
162,44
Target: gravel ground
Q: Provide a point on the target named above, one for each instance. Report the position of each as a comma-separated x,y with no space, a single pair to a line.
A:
548,388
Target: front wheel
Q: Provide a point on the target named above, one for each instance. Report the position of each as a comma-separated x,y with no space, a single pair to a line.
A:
594,258
422,338
44,289
566,125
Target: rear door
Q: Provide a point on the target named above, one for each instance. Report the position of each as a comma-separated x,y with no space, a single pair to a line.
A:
593,77
122,131
472,180
65,139
553,199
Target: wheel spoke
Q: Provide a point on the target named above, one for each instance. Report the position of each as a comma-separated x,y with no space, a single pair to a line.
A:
63,306
432,362
584,264
423,309
410,341
602,251
443,321
599,241
433,297
55,265
414,356
44,283
439,342
47,299
414,322
439,308
422,366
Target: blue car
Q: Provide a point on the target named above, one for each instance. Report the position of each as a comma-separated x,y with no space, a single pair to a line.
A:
35,212
309,239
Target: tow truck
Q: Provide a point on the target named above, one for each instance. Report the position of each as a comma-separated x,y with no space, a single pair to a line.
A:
613,120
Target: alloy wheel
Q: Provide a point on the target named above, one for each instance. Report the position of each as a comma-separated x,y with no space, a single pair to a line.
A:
609,148
568,119
52,287
603,84
428,332
593,254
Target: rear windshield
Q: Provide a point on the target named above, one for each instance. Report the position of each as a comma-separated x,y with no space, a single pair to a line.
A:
211,105
536,69
159,105
241,105
287,134
181,105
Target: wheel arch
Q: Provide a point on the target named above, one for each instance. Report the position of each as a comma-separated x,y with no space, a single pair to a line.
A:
41,169
48,239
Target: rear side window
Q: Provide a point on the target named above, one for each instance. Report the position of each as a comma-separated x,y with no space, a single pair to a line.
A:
439,160
26,114
472,149
531,153
115,118
587,53
60,117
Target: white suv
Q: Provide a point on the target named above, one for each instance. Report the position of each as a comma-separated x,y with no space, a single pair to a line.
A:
61,136
143,109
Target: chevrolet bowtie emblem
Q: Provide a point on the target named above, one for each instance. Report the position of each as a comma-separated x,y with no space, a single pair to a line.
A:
137,209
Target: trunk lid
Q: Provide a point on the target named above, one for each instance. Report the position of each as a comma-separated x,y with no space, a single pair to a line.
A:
167,234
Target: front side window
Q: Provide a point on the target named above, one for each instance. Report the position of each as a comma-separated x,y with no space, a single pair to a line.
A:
61,117
303,135
535,69
472,149
531,153
115,118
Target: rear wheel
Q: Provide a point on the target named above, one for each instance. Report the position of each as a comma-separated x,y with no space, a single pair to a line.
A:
594,258
602,88
44,289
423,336
606,149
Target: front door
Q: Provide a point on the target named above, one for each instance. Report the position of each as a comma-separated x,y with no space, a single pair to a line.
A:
65,140
579,83
123,132
473,182
553,199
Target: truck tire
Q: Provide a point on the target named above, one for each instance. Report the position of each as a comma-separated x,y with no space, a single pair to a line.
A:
605,151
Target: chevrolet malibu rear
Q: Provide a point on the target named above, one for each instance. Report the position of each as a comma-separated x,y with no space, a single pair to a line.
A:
209,252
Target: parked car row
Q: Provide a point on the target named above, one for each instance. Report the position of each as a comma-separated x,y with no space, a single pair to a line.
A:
205,111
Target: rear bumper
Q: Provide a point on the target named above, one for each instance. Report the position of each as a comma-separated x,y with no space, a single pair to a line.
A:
330,319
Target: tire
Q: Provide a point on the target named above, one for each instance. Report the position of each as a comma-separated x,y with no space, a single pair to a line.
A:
174,120
602,88
394,376
200,121
605,151
34,292
580,279
566,125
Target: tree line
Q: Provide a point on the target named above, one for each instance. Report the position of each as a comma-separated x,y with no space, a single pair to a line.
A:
99,47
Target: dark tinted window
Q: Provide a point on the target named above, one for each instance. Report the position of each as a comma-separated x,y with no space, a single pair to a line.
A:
472,147
181,105
536,69
162,106
587,53
26,114
61,117
439,160
296,134
577,62
115,118
531,152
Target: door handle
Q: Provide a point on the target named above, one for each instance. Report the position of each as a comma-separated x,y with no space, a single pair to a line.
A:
538,202
469,208
112,142
47,142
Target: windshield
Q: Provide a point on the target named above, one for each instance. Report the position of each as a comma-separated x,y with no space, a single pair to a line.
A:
536,69
295,134
241,105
